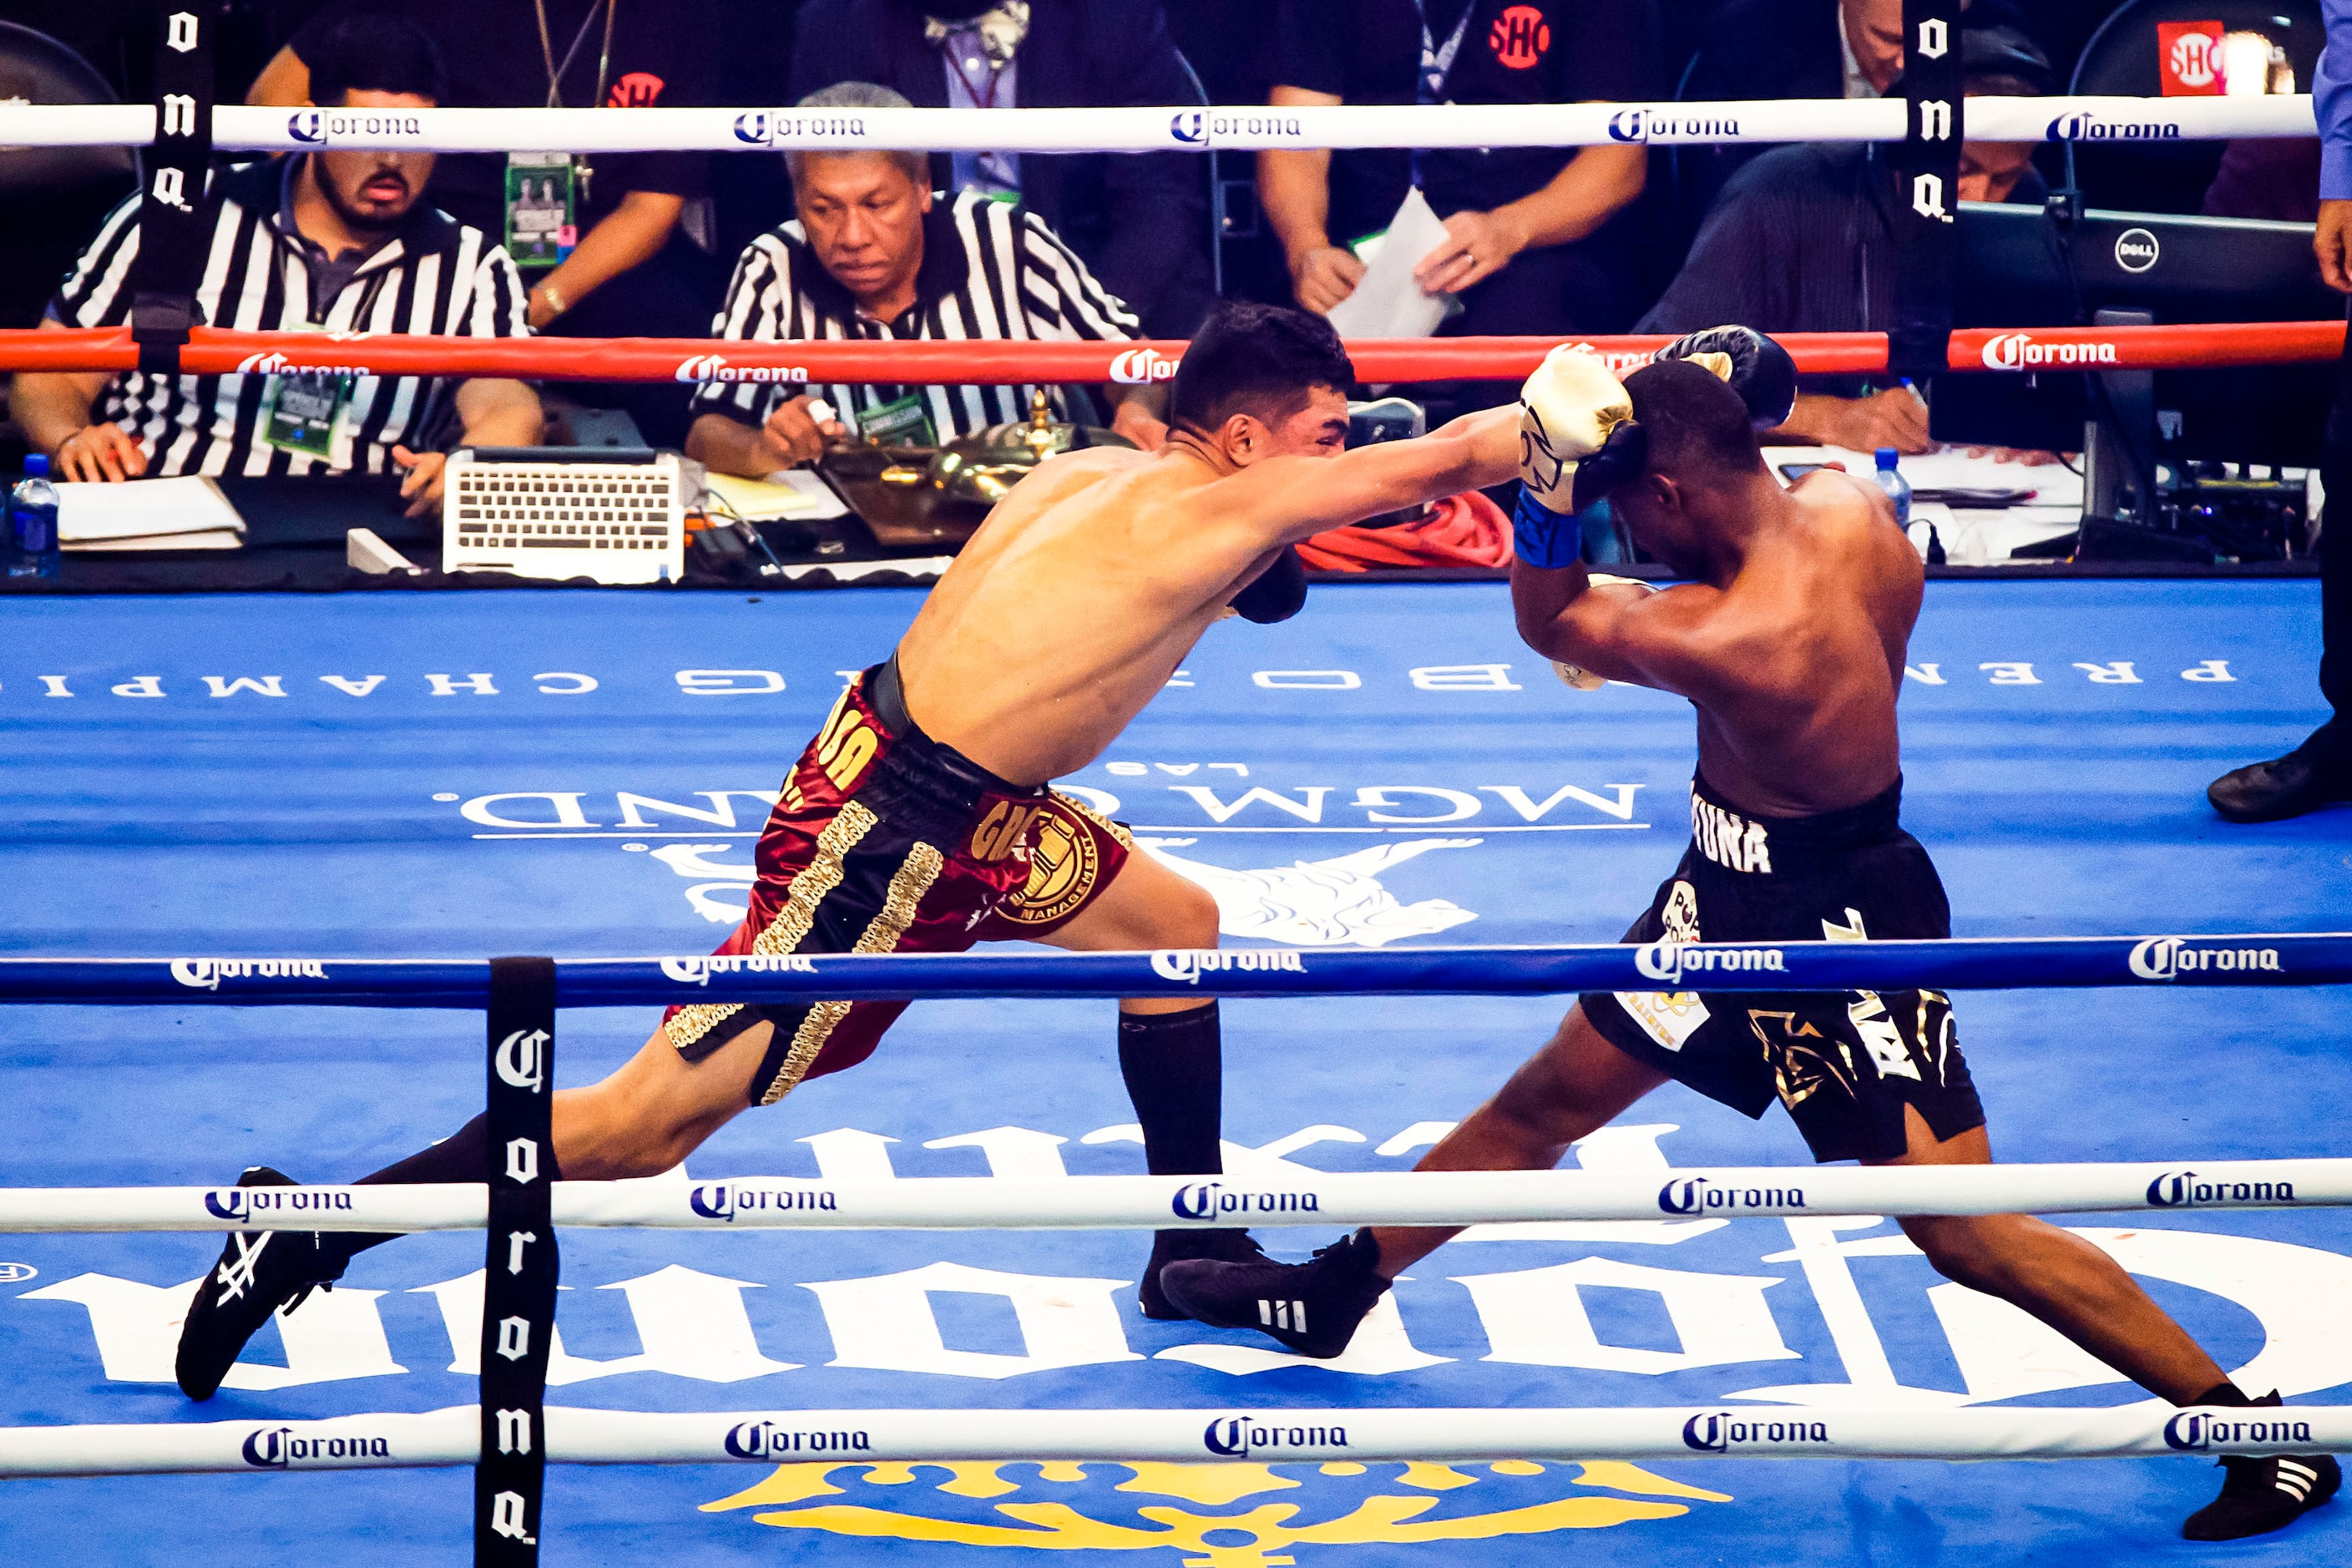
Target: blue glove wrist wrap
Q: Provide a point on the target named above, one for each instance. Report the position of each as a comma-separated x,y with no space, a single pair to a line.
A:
1542,537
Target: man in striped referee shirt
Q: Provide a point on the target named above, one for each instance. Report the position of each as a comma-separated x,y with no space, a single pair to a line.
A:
332,241
870,256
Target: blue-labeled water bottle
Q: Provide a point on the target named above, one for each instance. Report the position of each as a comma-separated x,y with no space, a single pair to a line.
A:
33,523
1898,489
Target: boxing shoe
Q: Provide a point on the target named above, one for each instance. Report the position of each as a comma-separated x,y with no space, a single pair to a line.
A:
1311,1308
2264,1494
259,1272
1186,1245
2304,780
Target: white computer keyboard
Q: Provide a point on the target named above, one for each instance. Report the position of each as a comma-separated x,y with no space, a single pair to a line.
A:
611,515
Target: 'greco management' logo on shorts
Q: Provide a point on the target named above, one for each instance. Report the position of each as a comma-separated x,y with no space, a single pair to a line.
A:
1211,1200
1231,1437
206,974
1670,960
1720,1431
1187,964
1698,1195
2170,957
714,367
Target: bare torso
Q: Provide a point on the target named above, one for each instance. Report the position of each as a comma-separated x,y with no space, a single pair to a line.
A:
1069,610
1796,665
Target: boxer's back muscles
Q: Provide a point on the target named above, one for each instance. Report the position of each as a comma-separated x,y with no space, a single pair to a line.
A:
1092,580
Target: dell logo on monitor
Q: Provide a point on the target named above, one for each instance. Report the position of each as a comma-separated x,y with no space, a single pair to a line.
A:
2137,250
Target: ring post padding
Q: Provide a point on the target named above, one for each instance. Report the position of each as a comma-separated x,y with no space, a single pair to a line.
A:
519,1287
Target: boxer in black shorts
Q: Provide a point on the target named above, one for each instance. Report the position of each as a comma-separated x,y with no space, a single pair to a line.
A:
1788,639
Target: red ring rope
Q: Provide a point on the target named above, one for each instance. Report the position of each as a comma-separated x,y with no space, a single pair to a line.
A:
999,361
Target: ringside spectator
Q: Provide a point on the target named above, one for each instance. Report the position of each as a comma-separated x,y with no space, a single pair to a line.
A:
1802,240
1140,219
871,254
1536,242
599,237
331,241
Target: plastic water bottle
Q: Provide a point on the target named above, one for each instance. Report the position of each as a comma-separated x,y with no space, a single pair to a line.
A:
33,523
1898,489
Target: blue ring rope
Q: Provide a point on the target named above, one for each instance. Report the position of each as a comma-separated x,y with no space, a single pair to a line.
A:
1973,964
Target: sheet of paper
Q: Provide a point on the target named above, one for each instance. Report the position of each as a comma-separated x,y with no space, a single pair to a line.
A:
1951,469
790,492
202,539
144,508
1388,303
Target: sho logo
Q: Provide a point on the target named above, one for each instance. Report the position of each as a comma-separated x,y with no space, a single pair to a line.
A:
206,974
1670,960
2090,128
1696,1194
1187,964
714,367
276,1447
754,129
1134,367
2170,957
1205,1200
2137,250
2198,1431
765,1439
1233,1435
523,1058
2186,1189
1718,1431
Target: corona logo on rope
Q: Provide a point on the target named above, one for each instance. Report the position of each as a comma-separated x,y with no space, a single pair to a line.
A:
1664,125
278,1447
1187,964
727,1200
2201,1431
2170,957
1235,1436
2184,1190
1209,1200
1210,127
1134,367
767,128
2092,128
714,367
273,363
699,971
2018,350
1670,960
1236,1512
246,1202
320,128
1696,1195
206,974
1719,1431
765,1439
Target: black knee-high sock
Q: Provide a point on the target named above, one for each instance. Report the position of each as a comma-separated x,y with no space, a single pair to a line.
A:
1174,1068
460,1157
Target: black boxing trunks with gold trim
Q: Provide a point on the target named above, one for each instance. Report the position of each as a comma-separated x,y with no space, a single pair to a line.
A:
1845,1063
885,840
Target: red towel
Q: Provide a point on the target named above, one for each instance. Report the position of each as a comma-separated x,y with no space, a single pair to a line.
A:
1467,530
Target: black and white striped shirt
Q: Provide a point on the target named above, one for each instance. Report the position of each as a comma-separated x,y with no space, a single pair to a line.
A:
991,269
435,276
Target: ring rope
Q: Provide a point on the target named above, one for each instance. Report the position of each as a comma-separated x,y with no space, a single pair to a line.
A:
1288,1197
212,351
1974,964
589,1436
1179,128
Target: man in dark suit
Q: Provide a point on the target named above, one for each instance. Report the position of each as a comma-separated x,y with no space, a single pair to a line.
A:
1140,221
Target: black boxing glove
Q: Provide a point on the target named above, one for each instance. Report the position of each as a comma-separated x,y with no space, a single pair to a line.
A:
1752,364
1277,592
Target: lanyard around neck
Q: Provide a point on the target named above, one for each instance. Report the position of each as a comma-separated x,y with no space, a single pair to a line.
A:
547,51
1436,59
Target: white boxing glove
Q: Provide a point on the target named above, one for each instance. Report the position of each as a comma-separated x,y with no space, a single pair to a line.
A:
1566,412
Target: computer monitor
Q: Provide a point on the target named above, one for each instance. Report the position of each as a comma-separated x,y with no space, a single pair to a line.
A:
2018,266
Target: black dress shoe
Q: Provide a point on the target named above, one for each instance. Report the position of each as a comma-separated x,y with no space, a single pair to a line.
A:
2303,780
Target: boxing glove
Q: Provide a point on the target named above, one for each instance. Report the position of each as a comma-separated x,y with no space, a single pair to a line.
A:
1569,410
1754,366
1276,594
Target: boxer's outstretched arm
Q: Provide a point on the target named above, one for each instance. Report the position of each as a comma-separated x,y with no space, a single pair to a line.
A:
1284,499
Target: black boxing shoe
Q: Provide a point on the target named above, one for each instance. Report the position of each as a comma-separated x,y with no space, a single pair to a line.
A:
2304,780
1311,1308
2264,1494
259,1272
1185,1246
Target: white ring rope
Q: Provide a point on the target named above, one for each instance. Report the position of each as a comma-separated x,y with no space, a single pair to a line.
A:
1286,1198
239,127
578,1437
